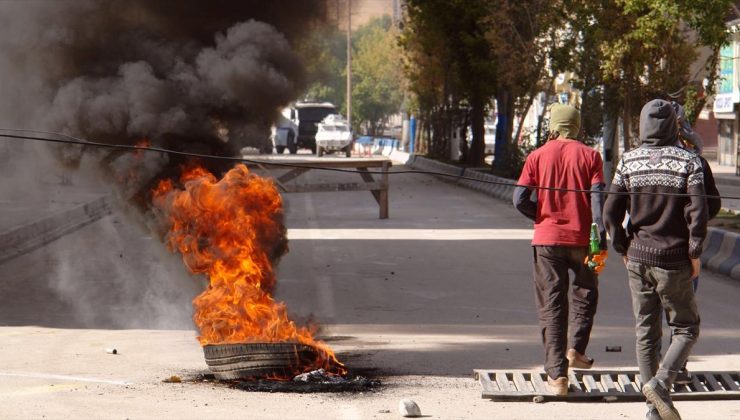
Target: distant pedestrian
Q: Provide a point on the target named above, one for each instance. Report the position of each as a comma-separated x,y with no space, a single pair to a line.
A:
560,244
690,140
686,133
661,247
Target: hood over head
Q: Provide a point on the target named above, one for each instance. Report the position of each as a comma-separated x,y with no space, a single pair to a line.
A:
566,120
658,124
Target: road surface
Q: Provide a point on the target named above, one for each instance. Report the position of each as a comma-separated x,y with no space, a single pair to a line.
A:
419,300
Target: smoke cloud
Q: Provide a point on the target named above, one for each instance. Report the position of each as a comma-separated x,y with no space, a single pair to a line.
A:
118,70
188,75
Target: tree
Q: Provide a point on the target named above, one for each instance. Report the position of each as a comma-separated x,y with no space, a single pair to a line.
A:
637,50
324,53
451,68
459,54
522,34
376,74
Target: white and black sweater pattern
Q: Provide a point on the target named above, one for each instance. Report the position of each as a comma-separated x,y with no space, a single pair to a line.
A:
664,230
671,167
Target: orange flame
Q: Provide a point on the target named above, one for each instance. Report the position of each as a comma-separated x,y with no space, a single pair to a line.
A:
228,230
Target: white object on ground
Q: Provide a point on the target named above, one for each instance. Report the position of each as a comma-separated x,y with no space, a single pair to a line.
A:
408,408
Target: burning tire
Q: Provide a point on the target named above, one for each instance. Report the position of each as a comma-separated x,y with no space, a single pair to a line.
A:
259,360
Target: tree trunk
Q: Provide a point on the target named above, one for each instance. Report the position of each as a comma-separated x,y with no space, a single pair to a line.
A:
541,118
477,120
609,140
712,65
532,94
627,120
427,136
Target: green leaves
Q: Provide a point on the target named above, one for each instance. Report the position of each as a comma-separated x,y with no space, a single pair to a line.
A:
377,91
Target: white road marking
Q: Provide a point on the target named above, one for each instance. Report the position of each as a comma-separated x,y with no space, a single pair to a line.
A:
62,377
411,234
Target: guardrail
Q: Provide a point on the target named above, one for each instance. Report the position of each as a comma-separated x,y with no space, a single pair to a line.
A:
35,234
496,186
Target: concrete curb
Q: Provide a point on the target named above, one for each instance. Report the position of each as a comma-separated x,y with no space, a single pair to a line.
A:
727,179
501,188
35,234
722,252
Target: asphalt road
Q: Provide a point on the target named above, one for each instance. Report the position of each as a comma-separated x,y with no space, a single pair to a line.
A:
418,301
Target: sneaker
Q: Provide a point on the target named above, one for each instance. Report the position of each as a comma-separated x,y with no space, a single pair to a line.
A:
653,414
578,361
656,393
558,386
683,377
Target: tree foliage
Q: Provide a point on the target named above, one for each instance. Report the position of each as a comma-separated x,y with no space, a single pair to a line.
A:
522,35
377,90
451,70
461,54
637,50
376,75
324,53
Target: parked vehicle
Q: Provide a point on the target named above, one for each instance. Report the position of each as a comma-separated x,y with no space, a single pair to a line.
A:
333,135
309,115
394,131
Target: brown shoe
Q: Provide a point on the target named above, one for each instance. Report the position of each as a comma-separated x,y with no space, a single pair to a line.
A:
558,386
579,361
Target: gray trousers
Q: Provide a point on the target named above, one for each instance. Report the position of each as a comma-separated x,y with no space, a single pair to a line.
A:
559,318
654,290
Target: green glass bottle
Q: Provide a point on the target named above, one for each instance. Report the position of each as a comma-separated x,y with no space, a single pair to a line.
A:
594,246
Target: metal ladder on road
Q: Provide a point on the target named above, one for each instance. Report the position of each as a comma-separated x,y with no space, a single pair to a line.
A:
600,385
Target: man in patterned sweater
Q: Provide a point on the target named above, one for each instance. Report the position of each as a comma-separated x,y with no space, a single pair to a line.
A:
660,247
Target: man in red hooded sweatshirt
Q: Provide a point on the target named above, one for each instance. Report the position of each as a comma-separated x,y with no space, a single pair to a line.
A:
561,238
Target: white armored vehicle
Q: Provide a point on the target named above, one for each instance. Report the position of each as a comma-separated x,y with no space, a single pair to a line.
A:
333,135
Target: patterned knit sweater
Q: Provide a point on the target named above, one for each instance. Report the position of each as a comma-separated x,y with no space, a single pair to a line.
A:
663,231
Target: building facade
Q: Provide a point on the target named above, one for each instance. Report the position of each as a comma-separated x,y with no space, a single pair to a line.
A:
726,100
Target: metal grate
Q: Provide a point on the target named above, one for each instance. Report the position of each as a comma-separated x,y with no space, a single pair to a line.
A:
606,385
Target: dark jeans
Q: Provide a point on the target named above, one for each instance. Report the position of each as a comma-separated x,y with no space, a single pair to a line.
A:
653,290
551,284
695,285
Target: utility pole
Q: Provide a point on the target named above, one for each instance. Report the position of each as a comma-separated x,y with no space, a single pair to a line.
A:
349,63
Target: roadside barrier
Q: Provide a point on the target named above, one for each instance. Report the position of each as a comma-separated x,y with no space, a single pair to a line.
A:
722,252
35,234
503,188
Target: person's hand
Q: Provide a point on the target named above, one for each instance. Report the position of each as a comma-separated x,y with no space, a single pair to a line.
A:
597,262
625,260
695,267
600,260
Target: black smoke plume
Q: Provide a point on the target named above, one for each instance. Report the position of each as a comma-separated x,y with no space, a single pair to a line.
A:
204,76
190,75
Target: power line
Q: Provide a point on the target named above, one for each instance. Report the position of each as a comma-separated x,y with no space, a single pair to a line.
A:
67,139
